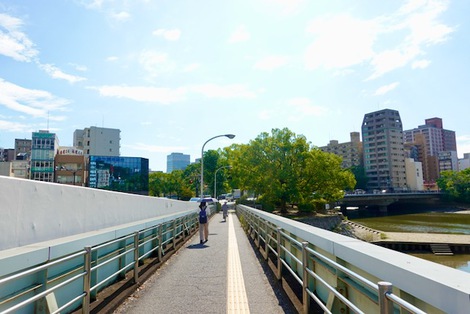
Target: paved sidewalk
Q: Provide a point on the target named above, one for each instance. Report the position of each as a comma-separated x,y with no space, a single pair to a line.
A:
201,278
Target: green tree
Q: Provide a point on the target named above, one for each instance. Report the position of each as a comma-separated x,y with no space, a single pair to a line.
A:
192,176
456,184
282,169
326,178
157,184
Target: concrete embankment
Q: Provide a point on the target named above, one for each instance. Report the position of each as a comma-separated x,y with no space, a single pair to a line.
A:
398,241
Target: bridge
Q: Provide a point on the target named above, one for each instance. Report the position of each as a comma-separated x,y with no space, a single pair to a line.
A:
68,249
383,200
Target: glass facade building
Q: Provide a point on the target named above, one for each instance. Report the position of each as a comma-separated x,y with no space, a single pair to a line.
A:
122,174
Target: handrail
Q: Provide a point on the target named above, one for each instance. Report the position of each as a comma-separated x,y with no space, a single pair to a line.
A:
288,260
137,243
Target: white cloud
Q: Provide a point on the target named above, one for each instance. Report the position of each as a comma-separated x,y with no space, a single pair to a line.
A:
120,16
36,103
168,34
78,67
142,93
112,59
92,4
14,43
342,41
192,67
301,107
285,6
155,62
219,91
271,62
9,126
171,95
386,88
420,19
239,35
56,73
420,64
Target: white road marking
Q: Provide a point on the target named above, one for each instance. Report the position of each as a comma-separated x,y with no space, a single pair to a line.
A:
237,301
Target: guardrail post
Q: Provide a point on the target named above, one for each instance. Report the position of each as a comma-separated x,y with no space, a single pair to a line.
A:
258,228
385,305
305,296
174,234
87,280
183,227
279,257
160,240
136,257
266,241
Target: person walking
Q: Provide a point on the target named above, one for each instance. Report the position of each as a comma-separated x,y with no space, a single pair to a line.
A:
203,223
225,210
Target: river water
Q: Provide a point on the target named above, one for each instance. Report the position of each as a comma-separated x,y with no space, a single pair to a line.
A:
421,221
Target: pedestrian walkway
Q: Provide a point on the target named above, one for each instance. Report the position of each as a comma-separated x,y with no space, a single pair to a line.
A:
222,275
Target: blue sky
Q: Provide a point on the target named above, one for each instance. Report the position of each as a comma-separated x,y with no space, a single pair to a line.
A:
172,74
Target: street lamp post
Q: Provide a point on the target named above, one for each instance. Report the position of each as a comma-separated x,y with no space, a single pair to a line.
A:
215,179
230,136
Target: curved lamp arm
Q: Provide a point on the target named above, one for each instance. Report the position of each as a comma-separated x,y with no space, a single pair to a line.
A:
230,136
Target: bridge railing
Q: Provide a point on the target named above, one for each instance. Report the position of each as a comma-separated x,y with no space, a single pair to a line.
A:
336,274
74,280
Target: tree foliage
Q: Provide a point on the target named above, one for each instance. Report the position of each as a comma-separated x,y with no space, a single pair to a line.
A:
282,168
456,184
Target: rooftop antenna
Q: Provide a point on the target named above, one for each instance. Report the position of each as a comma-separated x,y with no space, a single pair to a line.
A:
48,121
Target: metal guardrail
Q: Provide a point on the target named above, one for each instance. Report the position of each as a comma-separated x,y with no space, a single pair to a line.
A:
81,275
285,251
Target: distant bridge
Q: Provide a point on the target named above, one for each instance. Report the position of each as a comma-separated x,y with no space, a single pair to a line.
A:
383,200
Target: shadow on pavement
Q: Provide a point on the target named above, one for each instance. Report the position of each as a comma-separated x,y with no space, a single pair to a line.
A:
197,246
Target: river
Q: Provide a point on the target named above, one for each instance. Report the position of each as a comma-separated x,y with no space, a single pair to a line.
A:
421,221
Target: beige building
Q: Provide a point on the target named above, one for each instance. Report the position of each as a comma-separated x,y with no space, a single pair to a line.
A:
70,166
351,152
15,168
414,175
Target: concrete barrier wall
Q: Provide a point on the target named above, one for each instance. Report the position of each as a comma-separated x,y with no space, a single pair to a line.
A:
442,287
33,211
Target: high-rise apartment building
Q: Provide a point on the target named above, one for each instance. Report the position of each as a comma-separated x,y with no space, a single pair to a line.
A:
351,152
433,139
43,150
177,161
98,141
382,140
448,160
437,138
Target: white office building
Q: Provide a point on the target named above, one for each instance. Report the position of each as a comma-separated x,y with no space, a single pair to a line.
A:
98,141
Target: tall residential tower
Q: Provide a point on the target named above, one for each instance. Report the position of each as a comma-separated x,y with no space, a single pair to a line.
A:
384,160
